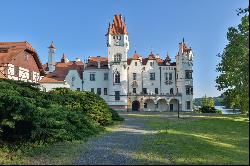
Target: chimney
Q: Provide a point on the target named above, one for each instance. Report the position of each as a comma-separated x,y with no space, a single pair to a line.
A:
99,62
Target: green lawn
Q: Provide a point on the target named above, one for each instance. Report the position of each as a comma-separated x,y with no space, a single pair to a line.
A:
215,139
192,139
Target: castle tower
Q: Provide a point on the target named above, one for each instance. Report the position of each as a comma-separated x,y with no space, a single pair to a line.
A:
51,57
184,70
118,46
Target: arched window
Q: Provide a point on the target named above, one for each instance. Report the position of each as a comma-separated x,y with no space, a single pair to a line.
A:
117,77
171,91
117,57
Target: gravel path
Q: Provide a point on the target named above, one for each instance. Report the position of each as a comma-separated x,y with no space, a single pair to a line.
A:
117,147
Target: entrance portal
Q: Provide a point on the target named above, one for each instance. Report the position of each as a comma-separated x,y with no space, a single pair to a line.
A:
135,105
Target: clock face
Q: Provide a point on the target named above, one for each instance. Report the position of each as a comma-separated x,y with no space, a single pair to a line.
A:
117,42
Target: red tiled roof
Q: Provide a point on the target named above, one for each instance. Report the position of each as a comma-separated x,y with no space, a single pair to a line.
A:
93,62
185,48
9,50
151,56
2,75
61,71
129,61
118,26
136,56
52,45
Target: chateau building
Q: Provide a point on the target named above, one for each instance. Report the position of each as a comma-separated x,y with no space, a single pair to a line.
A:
136,83
19,61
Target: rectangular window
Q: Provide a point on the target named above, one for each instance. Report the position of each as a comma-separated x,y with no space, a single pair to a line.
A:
187,91
166,76
145,105
152,76
135,63
99,91
105,91
106,76
188,105
170,76
151,63
188,74
93,90
144,90
134,76
134,90
117,95
78,89
92,77
156,90
16,70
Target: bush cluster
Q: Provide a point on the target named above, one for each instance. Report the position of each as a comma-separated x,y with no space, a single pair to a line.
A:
28,114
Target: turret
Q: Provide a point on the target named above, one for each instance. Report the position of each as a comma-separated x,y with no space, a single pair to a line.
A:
118,46
184,65
51,57
117,40
64,59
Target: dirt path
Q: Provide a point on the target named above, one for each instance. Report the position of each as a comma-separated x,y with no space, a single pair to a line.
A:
118,147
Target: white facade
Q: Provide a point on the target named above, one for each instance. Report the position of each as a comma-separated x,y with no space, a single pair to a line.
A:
50,86
18,73
137,83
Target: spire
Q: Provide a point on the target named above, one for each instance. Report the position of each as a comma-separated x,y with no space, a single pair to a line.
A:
64,59
168,59
183,40
118,26
52,45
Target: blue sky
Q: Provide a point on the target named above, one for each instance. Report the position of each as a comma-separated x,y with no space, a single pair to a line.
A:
78,29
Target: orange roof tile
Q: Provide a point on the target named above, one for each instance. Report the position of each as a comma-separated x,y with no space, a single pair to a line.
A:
52,45
9,50
61,71
151,56
136,56
2,75
93,62
118,26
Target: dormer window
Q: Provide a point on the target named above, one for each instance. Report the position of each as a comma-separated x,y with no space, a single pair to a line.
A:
151,63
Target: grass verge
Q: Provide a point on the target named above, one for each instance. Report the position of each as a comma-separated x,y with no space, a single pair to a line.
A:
196,139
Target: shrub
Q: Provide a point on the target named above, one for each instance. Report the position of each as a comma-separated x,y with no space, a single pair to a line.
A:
219,111
28,114
207,109
88,103
116,116
58,124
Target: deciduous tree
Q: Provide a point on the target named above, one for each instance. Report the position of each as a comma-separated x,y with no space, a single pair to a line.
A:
234,65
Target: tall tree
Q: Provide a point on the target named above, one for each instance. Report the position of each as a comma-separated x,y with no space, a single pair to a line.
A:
234,65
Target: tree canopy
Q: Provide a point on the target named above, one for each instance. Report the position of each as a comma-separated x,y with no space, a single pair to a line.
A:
234,65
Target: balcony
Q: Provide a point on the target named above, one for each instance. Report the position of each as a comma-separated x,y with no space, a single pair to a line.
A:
153,94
